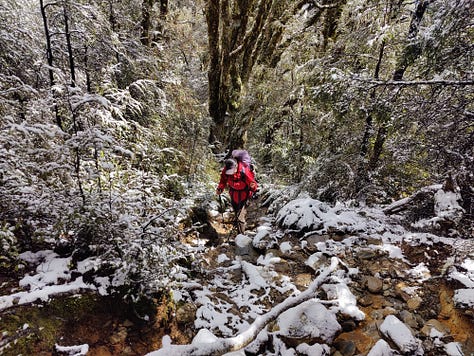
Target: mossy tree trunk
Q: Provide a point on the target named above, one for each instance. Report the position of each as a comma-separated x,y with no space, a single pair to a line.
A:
147,6
235,30
410,53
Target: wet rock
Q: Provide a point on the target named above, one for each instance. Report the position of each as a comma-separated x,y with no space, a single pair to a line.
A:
345,347
362,340
374,284
186,313
348,325
409,319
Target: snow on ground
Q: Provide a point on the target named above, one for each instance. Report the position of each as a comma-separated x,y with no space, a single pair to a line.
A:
239,291
53,276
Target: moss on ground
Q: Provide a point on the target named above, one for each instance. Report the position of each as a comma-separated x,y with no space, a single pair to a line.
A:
30,330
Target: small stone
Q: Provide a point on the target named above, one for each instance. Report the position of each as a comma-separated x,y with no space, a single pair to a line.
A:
303,280
377,314
186,313
348,325
374,284
414,303
366,254
408,319
433,323
345,347
365,301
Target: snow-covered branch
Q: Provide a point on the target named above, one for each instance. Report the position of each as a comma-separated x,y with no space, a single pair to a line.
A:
377,83
223,345
326,6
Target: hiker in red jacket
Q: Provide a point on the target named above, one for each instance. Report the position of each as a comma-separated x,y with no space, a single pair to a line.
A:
241,182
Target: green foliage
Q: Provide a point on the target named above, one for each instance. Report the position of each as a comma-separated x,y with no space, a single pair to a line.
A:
8,247
322,116
100,166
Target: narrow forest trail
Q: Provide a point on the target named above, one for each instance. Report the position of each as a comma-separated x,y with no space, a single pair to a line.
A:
236,278
241,281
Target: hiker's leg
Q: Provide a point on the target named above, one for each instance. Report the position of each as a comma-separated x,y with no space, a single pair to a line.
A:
236,209
241,218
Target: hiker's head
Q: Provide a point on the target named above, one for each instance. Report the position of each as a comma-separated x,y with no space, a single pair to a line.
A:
230,166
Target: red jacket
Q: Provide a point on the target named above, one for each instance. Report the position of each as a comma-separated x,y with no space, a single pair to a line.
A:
241,184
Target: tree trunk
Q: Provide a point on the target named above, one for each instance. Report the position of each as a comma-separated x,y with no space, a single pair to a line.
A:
147,6
72,67
49,57
212,17
362,177
87,70
409,55
163,8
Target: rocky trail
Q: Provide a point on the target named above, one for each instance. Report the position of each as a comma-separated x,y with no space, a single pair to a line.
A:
415,289
385,275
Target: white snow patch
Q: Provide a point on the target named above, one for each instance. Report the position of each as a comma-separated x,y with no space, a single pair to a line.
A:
381,348
401,335
313,350
464,297
421,272
346,301
222,258
285,247
453,349
78,350
309,319
242,240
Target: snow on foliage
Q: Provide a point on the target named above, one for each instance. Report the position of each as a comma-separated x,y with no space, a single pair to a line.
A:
447,205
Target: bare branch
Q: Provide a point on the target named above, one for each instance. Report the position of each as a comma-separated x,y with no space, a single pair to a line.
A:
378,83
326,6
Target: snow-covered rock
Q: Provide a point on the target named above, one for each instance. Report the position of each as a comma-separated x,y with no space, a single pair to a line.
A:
310,320
308,214
401,335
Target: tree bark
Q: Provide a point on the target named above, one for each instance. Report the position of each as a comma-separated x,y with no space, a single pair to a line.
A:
72,67
49,57
213,20
409,55
147,6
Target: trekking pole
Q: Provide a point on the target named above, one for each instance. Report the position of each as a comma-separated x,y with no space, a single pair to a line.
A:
221,207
